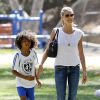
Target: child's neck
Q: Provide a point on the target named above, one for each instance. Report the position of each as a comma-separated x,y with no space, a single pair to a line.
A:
25,52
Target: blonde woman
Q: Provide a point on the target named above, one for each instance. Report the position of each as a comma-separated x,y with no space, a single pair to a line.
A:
69,56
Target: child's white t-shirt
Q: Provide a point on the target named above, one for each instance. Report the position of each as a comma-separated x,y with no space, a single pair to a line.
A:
26,66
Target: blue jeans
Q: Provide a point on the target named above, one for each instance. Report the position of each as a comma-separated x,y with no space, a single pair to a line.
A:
64,74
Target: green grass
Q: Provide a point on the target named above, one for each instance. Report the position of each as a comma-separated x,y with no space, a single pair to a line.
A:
47,91
11,51
7,51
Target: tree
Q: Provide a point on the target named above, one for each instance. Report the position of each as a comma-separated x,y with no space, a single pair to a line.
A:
36,7
14,4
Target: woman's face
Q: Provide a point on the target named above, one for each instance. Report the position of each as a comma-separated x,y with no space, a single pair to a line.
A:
68,17
25,43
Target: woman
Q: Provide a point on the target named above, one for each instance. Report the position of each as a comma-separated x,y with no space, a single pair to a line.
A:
69,56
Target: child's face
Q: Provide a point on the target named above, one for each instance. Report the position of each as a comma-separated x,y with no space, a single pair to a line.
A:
25,44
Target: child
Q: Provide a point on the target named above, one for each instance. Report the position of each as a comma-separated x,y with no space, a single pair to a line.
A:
24,65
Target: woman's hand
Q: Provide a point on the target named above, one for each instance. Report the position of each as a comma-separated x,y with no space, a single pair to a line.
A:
84,77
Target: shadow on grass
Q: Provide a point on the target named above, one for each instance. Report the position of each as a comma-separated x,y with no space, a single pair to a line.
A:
47,73
87,92
87,97
5,73
53,97
48,92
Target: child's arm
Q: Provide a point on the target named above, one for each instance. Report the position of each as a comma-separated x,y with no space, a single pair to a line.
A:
30,78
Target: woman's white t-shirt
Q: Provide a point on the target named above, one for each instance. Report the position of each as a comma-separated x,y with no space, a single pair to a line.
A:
68,54
26,66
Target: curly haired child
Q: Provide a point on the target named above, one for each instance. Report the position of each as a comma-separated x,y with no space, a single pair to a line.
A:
24,63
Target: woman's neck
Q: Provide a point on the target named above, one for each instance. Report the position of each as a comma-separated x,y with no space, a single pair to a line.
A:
68,29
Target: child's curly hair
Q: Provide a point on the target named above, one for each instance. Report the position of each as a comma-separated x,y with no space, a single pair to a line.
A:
28,34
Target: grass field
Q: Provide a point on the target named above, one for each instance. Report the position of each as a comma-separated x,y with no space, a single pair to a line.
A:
7,51
47,91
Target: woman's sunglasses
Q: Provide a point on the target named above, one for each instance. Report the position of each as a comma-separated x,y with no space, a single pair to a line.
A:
69,15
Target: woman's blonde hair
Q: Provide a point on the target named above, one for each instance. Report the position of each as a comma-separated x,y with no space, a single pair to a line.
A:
66,9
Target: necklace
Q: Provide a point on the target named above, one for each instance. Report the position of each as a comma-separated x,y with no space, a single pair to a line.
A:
69,37
69,41
68,44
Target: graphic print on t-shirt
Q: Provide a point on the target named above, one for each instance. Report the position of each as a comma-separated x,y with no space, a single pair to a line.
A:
27,66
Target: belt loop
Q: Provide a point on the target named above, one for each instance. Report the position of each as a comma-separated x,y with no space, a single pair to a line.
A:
77,65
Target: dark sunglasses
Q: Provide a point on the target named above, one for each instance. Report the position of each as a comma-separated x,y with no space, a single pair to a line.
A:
69,15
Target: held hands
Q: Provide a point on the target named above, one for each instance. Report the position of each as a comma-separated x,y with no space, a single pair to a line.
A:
84,77
39,83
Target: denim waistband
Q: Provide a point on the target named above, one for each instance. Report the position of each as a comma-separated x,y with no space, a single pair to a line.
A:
60,66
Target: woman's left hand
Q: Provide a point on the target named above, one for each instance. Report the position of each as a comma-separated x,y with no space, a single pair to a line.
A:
84,77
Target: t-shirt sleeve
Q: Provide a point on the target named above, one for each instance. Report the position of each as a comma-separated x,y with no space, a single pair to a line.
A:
15,62
35,57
